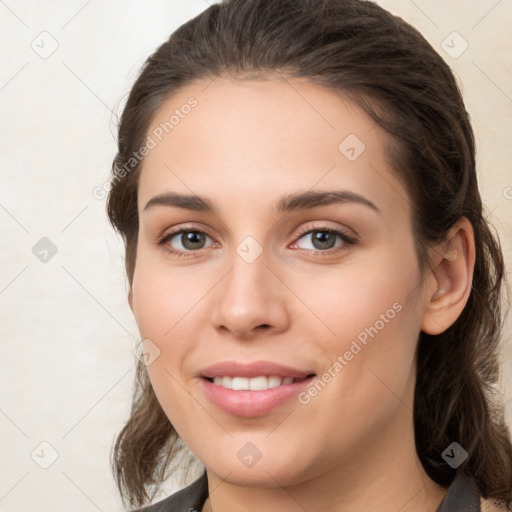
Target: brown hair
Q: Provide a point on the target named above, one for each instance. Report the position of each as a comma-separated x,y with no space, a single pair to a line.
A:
385,66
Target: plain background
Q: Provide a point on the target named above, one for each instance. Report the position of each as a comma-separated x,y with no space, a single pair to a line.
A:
67,334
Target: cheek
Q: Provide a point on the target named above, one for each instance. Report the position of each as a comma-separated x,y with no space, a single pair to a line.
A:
169,308
163,297
359,297
371,316
163,306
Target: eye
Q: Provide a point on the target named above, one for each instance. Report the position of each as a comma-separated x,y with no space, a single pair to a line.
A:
184,240
323,239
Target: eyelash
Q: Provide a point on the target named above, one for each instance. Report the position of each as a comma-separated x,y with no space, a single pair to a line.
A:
347,241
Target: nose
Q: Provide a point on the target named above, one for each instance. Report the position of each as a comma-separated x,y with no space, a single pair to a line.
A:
250,300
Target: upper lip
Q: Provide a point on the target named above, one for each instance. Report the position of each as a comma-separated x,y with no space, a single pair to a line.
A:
252,369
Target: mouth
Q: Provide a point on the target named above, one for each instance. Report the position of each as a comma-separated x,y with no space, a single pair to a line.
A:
252,389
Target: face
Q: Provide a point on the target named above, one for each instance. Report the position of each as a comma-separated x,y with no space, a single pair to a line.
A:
280,300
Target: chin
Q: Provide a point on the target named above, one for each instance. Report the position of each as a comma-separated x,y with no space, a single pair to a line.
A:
268,472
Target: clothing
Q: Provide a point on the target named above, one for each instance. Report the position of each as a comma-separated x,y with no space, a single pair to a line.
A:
189,499
462,496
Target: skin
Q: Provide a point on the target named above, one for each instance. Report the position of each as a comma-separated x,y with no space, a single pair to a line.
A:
244,146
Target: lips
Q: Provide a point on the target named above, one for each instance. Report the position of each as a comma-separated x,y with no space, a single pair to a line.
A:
254,369
252,389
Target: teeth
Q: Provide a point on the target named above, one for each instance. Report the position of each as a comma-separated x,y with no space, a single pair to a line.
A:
254,384
239,383
273,382
258,383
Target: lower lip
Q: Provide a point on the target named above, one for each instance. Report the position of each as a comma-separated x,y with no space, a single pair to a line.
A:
252,403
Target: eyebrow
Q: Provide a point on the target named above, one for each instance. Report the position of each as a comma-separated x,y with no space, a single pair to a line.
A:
291,202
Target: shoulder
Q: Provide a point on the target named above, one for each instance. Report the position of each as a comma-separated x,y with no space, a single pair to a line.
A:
189,499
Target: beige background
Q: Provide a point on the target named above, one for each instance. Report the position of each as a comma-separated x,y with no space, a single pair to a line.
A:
66,330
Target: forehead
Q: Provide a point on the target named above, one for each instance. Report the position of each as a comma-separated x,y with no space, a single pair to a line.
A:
256,137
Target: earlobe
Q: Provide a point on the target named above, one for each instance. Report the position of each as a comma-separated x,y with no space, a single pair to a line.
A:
453,275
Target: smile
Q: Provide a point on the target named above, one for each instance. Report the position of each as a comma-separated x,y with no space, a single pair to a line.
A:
259,383
253,388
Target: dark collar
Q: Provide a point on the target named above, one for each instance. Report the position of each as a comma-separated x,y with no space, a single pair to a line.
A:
189,499
462,496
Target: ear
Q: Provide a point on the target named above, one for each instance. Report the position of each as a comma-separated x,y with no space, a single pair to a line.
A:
452,272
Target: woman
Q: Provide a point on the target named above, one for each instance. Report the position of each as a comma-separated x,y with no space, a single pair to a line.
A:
316,288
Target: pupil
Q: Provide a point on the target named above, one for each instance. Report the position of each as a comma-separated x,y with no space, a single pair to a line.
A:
191,239
323,239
